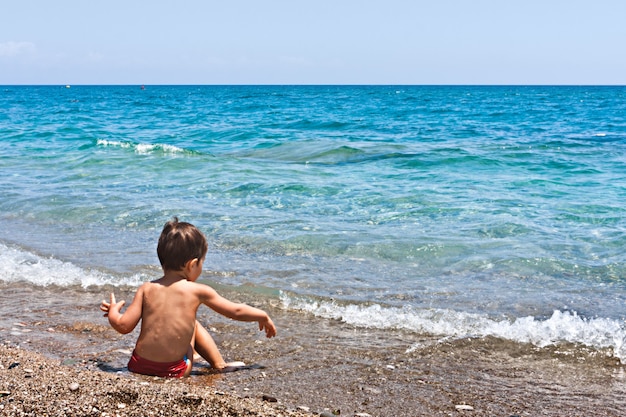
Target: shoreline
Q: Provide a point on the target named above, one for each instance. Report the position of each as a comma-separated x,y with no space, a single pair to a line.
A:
318,365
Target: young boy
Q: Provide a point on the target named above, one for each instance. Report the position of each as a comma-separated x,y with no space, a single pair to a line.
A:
170,333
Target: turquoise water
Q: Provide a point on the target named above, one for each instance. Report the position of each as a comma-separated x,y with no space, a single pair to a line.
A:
445,210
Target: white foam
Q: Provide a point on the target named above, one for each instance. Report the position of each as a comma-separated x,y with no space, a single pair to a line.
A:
561,327
113,143
141,148
18,265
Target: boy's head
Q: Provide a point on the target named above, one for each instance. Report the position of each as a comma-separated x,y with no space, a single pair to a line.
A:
179,243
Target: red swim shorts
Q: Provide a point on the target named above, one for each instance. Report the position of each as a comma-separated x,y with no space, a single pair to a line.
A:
139,365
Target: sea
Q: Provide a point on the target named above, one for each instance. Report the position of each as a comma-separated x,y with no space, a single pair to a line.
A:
446,211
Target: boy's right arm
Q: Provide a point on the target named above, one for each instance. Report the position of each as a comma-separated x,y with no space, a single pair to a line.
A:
126,322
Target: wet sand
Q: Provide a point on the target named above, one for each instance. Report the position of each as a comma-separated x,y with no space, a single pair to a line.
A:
317,365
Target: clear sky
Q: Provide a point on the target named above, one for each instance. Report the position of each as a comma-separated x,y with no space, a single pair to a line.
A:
313,42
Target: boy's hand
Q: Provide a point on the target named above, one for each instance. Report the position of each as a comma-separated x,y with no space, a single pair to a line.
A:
113,306
268,326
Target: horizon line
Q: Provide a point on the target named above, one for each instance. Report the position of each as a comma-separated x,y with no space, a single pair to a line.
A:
301,85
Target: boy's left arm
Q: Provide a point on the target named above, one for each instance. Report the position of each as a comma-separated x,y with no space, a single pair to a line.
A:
236,311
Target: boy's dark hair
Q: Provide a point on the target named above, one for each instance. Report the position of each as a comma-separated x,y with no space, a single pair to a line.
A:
179,243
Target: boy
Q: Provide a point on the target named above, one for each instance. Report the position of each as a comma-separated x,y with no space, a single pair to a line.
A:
170,333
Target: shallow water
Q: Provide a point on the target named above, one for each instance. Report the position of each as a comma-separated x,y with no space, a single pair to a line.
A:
444,212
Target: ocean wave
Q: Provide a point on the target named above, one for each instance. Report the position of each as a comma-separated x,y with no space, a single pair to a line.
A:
331,153
144,148
562,327
18,265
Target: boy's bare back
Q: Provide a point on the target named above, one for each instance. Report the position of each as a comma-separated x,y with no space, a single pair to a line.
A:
168,319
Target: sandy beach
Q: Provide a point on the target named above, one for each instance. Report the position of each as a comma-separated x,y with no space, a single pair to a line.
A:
59,359
35,385
32,385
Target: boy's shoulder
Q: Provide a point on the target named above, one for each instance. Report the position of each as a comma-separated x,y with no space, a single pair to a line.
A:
164,283
160,284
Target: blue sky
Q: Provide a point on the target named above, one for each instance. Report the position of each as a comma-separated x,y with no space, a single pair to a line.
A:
313,42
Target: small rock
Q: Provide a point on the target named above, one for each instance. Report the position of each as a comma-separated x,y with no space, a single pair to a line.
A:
464,407
14,365
390,367
303,408
191,399
121,405
74,386
371,390
4,393
362,415
270,399
327,414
